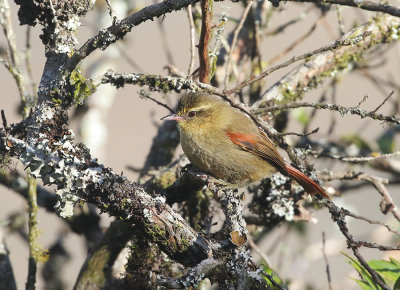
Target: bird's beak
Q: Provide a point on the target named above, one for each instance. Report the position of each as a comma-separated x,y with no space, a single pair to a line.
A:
172,118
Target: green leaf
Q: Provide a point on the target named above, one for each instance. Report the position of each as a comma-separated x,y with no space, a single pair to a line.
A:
363,285
394,261
390,271
276,278
397,284
363,273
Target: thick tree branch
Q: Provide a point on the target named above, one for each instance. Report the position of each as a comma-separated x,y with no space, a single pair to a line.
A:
85,179
206,11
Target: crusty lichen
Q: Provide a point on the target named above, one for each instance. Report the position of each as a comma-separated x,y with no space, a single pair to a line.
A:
61,167
59,19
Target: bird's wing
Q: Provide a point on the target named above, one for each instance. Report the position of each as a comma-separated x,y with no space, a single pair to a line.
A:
260,145
307,183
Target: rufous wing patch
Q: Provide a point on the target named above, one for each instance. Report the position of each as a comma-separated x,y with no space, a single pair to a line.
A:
260,146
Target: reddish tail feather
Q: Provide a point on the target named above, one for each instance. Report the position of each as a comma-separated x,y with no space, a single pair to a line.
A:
308,184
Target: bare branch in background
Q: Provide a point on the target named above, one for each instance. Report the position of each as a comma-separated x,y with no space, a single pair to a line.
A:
328,273
367,5
342,110
206,11
192,40
328,61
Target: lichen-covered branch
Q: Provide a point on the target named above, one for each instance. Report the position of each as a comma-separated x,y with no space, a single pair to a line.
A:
78,177
192,278
157,82
333,107
36,252
387,204
382,29
352,243
59,19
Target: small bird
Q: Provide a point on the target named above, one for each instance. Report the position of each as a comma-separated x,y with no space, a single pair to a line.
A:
225,143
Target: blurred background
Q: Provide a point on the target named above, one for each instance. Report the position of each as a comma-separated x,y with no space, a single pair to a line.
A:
118,127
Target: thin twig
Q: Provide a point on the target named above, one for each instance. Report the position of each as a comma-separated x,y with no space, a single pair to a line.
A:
366,5
342,110
54,13
384,101
300,135
365,98
328,273
28,64
370,221
192,40
234,40
362,159
333,46
297,41
3,118
164,41
257,249
281,28
34,252
340,19
111,11
387,204
147,96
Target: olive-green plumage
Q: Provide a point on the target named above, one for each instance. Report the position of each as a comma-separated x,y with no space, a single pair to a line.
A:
206,142
226,143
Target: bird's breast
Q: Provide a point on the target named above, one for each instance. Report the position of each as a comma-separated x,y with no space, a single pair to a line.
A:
223,159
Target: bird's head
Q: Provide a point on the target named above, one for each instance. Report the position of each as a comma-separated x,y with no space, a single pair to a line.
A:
198,111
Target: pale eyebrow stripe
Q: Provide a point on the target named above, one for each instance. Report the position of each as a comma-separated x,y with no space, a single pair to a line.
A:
201,107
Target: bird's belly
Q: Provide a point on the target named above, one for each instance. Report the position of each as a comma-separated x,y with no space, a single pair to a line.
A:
228,163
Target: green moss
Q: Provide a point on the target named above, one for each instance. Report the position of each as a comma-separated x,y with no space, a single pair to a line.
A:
155,231
166,179
82,87
37,252
341,62
289,95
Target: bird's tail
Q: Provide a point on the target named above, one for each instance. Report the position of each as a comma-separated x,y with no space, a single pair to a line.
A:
307,183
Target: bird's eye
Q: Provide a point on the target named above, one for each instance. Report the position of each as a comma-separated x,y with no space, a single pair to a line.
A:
192,114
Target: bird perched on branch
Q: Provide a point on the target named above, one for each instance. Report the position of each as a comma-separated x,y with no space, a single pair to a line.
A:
227,144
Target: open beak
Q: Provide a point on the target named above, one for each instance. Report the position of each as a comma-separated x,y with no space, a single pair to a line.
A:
172,118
